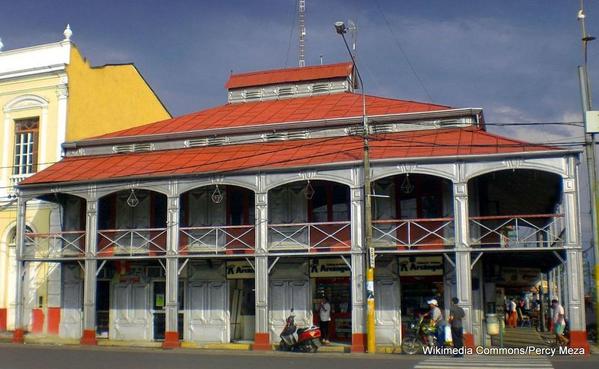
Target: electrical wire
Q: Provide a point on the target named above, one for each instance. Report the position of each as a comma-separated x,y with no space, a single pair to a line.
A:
405,55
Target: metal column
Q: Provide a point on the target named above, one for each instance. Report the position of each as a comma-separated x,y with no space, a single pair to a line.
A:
462,258
19,332
574,269
262,335
171,334
357,277
91,266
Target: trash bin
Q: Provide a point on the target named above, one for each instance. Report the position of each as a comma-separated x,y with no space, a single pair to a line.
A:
492,325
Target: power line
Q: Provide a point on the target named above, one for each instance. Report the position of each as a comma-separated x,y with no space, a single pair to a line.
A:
405,55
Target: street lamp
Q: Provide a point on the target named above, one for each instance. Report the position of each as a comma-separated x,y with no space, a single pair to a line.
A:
590,144
341,29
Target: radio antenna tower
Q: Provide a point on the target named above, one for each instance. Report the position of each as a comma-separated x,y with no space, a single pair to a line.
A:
301,8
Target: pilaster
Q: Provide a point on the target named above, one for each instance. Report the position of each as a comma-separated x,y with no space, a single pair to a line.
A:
91,268
462,257
171,334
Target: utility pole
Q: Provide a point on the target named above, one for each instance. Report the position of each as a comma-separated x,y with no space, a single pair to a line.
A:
590,141
301,8
370,326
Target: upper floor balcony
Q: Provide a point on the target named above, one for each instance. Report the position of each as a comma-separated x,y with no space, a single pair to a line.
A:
410,213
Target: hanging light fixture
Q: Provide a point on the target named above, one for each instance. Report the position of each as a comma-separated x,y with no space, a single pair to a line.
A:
217,196
406,186
309,191
132,200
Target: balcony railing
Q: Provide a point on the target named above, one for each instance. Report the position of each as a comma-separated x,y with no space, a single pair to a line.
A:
54,245
535,230
217,239
407,234
310,237
132,242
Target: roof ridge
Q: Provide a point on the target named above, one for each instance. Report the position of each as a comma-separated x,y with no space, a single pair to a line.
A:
290,69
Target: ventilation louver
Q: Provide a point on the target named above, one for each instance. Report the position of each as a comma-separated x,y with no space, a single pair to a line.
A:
382,128
251,95
321,87
207,141
283,136
133,148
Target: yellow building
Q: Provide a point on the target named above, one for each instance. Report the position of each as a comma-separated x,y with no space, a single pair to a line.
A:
50,94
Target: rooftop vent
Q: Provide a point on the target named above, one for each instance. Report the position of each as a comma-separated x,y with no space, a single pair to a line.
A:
285,91
284,136
355,131
382,128
251,95
136,147
321,87
207,141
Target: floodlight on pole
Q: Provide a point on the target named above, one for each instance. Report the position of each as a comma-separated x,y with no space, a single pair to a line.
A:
341,29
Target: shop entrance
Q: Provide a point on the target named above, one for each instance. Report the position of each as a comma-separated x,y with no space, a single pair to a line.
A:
421,279
159,312
330,278
338,291
102,308
242,300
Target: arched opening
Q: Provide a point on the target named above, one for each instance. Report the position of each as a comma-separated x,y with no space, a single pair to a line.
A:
66,235
132,222
516,208
217,219
311,216
412,211
516,223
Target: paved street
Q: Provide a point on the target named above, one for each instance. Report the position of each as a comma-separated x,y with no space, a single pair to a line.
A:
51,357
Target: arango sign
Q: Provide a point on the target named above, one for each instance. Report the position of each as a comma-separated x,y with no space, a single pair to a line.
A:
418,266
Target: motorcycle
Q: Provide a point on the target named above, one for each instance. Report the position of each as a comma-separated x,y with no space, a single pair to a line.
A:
299,339
417,337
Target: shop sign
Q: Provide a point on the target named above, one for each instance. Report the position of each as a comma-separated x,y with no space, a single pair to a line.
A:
329,268
528,276
418,266
239,270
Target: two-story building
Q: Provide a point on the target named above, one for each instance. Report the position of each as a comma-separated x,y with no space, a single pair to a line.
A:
50,94
212,226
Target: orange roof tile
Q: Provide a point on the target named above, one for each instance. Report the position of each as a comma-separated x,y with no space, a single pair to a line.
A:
339,105
289,75
260,156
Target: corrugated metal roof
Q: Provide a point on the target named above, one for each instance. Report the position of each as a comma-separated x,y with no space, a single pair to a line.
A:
289,75
339,105
298,153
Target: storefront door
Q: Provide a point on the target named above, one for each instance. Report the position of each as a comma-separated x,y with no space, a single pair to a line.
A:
388,312
209,319
284,296
72,302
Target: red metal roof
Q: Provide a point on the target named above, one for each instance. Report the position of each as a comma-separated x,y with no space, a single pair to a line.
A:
297,153
289,75
339,105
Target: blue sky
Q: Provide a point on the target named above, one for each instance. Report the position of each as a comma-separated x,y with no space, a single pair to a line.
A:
516,59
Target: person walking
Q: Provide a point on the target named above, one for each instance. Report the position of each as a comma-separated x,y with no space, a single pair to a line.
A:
512,314
324,312
559,322
456,314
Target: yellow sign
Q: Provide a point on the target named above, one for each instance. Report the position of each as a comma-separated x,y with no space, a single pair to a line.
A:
239,270
418,266
323,268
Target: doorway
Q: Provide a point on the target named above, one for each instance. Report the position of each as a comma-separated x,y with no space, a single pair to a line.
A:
102,308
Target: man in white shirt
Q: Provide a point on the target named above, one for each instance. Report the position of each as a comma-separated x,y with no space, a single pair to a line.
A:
324,312
436,318
559,322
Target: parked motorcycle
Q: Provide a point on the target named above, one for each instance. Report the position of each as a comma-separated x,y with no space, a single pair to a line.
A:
416,338
299,339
